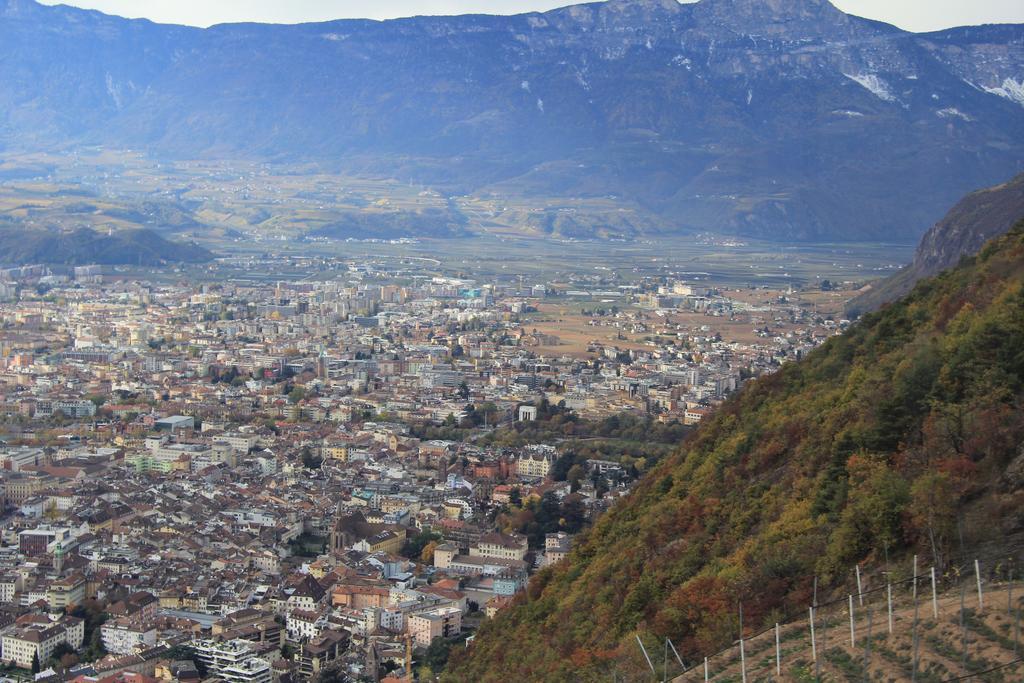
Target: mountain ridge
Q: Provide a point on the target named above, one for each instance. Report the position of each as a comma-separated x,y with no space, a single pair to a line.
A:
84,246
974,220
704,116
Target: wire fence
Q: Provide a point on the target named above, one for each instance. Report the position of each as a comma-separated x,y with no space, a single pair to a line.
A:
959,623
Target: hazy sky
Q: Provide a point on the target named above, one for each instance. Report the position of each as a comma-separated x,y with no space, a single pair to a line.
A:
915,15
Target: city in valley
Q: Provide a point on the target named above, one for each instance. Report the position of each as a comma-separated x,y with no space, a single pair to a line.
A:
552,342
275,465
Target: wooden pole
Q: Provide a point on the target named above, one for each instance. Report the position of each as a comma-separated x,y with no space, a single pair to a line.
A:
743,654
935,597
913,676
853,635
814,647
664,674
707,676
867,646
1016,622
888,590
778,652
682,664
644,650
1009,595
977,575
824,633
963,630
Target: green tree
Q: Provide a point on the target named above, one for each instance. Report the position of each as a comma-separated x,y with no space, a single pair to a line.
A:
933,511
310,460
574,513
575,475
415,545
872,519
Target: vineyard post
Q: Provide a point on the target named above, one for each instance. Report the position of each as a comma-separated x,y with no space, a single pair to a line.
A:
814,647
778,652
860,588
913,676
664,675
888,591
1009,595
935,597
867,645
644,650
743,654
915,578
853,634
824,633
682,664
1016,631
963,630
1010,610
977,575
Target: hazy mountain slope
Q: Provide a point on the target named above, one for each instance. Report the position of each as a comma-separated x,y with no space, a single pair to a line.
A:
20,246
785,119
975,219
870,447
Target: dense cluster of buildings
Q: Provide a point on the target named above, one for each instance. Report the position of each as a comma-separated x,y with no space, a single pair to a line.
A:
253,481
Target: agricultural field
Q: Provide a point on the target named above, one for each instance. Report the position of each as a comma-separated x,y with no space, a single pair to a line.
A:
242,208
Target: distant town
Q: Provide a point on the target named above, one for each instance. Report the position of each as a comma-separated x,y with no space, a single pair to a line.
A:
339,475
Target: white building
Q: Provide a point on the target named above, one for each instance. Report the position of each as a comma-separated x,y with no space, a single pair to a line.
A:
123,637
40,636
305,626
232,661
502,546
251,670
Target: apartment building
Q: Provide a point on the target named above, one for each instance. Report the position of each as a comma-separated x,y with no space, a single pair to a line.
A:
125,637
445,622
38,636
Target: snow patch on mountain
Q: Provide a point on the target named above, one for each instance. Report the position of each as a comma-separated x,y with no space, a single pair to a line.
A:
874,84
114,92
952,113
1011,89
681,60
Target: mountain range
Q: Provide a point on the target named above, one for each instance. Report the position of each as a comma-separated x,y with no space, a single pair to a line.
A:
780,119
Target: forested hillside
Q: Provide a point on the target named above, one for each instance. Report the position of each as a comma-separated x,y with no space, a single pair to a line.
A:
895,438
140,247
